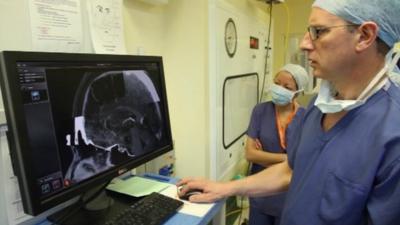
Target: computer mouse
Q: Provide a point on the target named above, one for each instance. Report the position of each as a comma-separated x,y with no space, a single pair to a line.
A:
189,193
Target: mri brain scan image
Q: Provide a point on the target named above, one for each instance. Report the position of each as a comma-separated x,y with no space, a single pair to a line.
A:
115,113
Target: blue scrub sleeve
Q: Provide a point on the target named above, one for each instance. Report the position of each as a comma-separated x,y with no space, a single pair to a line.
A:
293,133
384,202
254,128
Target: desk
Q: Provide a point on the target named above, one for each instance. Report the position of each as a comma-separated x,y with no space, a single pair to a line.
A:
184,219
178,218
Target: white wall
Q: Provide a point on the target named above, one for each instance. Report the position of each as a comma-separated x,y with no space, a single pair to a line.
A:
143,24
294,14
14,25
186,48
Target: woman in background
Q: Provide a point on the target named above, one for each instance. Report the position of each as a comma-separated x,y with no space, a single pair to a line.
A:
269,134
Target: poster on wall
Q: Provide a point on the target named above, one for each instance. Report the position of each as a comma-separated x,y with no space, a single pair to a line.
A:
56,25
106,26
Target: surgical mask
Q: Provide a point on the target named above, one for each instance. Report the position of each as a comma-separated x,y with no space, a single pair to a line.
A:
395,77
392,61
393,70
328,104
281,95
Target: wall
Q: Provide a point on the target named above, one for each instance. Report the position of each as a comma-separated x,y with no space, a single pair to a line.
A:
295,14
185,55
177,31
19,12
143,24
298,12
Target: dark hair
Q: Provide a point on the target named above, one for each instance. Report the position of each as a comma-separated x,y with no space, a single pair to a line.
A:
383,48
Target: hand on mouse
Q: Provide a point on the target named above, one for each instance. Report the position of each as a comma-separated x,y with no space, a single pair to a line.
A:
189,193
210,191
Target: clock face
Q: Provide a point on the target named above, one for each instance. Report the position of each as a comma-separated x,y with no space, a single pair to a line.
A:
230,37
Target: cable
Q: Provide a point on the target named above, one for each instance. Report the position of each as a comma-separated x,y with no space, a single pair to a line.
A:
242,197
287,29
235,211
267,53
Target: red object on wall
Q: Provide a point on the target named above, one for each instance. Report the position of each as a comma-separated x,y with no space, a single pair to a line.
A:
253,42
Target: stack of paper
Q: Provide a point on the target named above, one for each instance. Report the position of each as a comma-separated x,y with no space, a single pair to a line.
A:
137,186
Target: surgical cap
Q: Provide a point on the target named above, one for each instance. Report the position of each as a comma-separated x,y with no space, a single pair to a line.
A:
299,74
383,12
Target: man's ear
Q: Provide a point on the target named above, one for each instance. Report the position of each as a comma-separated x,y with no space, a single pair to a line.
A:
367,34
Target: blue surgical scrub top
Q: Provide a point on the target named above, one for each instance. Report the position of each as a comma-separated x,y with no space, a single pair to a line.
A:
263,127
350,174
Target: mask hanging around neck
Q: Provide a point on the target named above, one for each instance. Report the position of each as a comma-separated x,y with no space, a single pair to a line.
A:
393,69
327,103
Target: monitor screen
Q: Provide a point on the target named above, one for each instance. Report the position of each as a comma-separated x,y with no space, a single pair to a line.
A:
79,120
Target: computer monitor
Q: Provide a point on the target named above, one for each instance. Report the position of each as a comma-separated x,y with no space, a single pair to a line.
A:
76,121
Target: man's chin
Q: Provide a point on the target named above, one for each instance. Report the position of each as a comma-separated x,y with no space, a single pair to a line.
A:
317,73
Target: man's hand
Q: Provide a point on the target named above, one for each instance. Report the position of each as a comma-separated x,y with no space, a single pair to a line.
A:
212,191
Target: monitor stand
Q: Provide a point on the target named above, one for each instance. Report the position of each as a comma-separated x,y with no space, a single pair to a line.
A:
102,202
96,212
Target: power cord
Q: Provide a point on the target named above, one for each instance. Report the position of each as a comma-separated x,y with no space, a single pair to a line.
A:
242,199
267,53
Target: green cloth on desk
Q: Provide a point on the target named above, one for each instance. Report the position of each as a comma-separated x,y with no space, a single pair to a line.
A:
137,186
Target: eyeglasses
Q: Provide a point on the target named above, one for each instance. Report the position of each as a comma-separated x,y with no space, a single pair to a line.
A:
315,32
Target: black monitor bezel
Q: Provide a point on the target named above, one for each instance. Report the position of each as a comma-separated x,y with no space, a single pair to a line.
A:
17,131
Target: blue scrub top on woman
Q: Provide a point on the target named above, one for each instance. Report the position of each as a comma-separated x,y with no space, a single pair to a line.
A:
350,174
263,127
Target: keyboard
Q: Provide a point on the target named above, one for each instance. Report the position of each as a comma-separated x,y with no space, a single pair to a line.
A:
153,209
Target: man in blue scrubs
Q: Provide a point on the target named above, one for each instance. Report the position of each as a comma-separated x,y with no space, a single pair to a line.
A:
344,168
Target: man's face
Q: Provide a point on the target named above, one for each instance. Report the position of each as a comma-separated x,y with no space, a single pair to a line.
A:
332,53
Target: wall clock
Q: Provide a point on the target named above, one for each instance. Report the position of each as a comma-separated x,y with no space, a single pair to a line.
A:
230,37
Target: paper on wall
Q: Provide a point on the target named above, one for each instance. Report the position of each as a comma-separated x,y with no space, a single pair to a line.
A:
56,25
106,26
